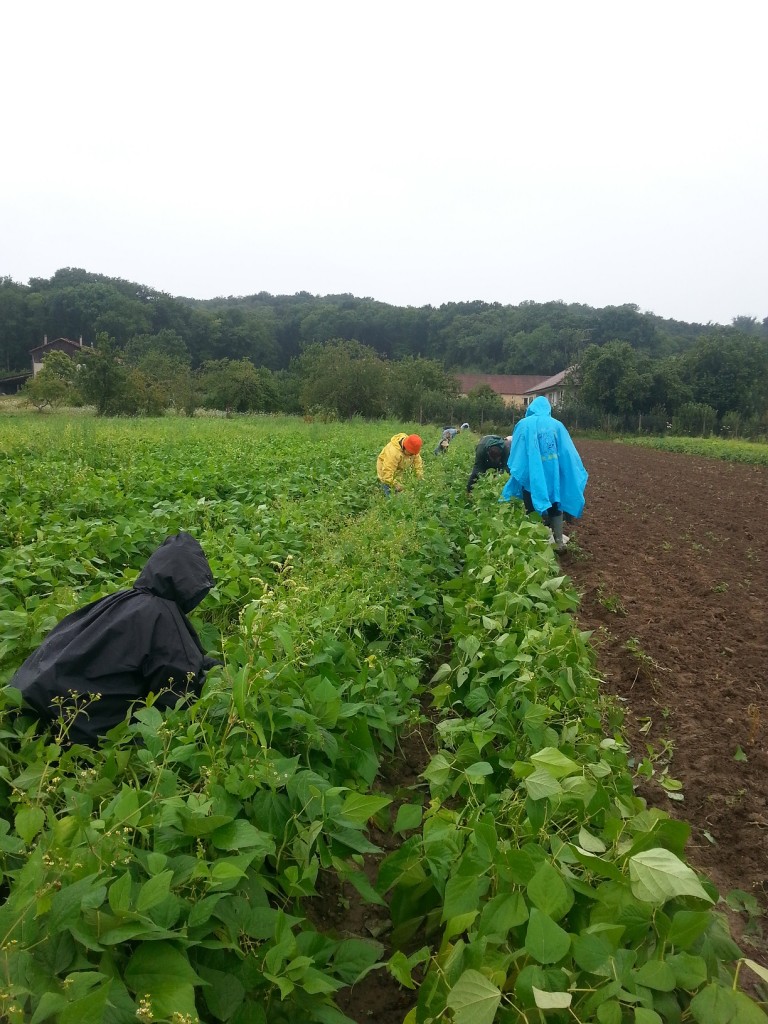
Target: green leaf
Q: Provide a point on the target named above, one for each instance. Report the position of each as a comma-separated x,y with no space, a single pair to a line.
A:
459,924
163,973
29,821
658,875
408,817
154,891
316,982
89,1009
476,772
546,941
120,894
646,1016
477,699
549,893
202,910
363,885
609,1012
470,645
555,763
546,979
593,954
541,784
50,1003
359,808
242,835
70,900
353,958
12,624
502,913
551,1000
443,671
400,969
203,824
353,839
463,894
474,998
657,975
715,1005
748,1012
283,634
224,993
239,685
438,770
690,971
226,873
590,843
124,809
687,926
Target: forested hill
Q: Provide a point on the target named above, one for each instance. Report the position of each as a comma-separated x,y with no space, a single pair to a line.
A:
272,329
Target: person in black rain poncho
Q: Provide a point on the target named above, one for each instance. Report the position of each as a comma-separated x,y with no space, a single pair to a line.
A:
124,647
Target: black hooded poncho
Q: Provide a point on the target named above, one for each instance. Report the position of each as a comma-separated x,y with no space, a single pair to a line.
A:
125,646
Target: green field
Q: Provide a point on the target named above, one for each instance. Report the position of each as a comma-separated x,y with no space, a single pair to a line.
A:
709,447
175,873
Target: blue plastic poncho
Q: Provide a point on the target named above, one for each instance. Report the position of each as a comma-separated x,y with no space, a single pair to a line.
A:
543,460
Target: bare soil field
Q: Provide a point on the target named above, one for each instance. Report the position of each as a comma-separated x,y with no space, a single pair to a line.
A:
671,560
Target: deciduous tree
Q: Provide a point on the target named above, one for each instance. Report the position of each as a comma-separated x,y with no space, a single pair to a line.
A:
104,381
55,384
344,376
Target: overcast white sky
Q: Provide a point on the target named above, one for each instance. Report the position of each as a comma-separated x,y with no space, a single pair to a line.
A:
414,151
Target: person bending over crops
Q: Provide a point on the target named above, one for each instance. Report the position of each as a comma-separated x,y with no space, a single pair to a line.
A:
399,454
447,436
98,661
491,452
545,469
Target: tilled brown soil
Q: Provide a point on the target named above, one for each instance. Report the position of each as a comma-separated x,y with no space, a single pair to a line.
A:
671,559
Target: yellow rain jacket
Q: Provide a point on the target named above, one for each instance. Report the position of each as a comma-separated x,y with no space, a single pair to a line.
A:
393,460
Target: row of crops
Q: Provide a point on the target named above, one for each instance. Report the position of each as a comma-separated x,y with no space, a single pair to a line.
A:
752,453
180,872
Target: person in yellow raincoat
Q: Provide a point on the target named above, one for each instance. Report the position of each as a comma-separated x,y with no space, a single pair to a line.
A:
397,455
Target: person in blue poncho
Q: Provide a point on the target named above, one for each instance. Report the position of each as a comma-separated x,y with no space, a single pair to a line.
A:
545,469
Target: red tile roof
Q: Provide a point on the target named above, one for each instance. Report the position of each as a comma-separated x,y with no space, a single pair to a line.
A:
550,382
502,383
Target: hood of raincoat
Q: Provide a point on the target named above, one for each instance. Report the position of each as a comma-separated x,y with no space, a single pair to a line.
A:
539,407
177,571
118,649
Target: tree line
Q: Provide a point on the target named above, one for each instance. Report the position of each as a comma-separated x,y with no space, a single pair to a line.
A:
344,356
271,330
340,379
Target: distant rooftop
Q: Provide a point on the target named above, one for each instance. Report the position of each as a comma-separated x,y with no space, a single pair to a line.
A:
501,383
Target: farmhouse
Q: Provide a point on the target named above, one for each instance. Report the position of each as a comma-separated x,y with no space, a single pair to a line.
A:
553,389
13,384
71,348
512,387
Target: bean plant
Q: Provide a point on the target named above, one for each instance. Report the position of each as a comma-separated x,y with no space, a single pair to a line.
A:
175,873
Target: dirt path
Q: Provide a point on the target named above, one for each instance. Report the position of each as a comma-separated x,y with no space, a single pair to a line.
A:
672,562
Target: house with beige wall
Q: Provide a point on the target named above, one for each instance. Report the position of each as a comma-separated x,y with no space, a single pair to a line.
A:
66,345
511,387
553,389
